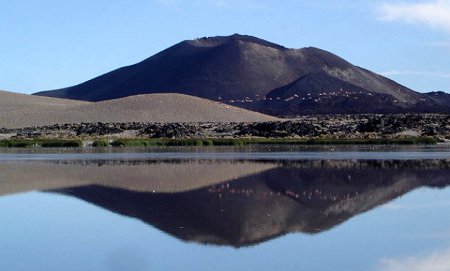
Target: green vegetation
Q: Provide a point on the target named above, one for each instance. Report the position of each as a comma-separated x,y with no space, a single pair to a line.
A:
100,143
60,143
149,142
45,143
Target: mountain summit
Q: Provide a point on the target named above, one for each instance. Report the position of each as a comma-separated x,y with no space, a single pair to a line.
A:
253,73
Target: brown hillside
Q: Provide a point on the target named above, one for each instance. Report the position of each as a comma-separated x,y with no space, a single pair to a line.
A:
19,110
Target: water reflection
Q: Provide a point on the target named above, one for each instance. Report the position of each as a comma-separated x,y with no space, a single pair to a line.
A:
304,196
135,175
234,203
439,260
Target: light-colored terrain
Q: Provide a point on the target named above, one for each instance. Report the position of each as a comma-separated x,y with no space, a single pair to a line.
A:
20,110
20,177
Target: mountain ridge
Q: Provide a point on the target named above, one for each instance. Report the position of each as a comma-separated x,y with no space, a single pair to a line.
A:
246,69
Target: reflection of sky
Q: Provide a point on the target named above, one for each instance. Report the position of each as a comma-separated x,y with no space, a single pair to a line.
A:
436,261
40,231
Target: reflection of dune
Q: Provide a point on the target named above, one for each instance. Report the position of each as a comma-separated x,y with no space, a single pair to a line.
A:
304,196
133,176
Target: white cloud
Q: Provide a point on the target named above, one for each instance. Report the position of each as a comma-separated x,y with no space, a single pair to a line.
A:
438,261
416,73
432,13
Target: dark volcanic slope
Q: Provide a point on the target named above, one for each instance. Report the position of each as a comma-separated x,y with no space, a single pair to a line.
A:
228,67
321,93
313,83
442,99
238,68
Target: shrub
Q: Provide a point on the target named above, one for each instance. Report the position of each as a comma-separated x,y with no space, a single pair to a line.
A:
100,143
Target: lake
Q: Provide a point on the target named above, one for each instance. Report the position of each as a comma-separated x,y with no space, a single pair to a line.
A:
255,208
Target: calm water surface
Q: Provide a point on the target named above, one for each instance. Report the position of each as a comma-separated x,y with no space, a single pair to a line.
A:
265,208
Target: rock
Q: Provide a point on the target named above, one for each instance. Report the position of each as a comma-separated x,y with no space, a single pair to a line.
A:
342,126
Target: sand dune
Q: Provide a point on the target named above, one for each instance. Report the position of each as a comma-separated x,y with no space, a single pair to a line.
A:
19,110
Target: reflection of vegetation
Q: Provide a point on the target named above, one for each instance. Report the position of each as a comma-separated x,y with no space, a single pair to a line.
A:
428,164
156,142
373,141
176,142
269,141
46,143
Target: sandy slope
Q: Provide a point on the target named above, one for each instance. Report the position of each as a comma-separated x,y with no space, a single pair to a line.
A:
10,100
19,110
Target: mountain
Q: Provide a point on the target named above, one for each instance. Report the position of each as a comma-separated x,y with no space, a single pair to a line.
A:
20,110
245,71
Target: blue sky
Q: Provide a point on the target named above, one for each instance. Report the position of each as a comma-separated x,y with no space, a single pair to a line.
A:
49,44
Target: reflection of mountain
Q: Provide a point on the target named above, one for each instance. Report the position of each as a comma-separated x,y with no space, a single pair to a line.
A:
302,196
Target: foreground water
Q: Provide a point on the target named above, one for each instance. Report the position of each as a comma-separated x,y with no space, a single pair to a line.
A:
287,208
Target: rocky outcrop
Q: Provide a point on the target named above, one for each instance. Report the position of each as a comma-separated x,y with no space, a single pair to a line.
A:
338,126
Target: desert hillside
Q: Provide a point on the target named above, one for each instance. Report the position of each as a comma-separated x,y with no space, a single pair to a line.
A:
19,110
10,101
